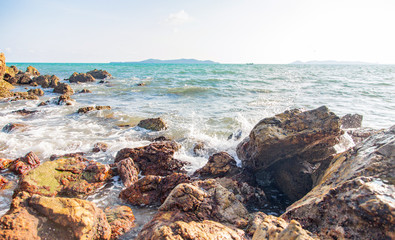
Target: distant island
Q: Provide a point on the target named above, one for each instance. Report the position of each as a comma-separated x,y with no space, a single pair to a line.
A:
332,62
175,61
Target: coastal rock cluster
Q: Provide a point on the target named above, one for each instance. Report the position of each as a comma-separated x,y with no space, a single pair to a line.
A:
337,177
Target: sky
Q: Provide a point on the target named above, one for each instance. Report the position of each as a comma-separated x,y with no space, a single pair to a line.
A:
226,31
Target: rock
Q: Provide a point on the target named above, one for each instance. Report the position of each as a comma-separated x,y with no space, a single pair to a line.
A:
5,88
85,91
81,78
71,177
77,155
3,182
63,88
205,230
219,165
360,134
24,96
152,190
2,66
85,219
351,121
154,124
154,159
24,164
275,228
36,91
43,104
46,81
128,171
121,220
64,99
13,126
32,71
5,163
354,198
290,147
198,148
99,74
21,78
92,108
100,146
24,112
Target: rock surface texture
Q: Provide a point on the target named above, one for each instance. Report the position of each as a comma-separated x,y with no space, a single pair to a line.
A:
355,197
99,74
154,124
81,78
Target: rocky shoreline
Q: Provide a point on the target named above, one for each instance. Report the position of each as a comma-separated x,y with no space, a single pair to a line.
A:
335,189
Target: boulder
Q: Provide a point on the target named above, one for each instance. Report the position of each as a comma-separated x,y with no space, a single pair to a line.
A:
92,108
5,163
3,182
46,81
64,99
219,165
100,146
32,71
21,78
5,88
128,171
24,112
13,126
24,96
63,88
354,198
121,220
99,74
351,121
154,159
2,66
153,124
24,164
85,91
71,177
81,78
36,91
290,147
152,190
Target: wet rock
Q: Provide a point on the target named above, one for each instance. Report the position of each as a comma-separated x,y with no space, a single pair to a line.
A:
63,88
78,155
2,66
154,159
32,71
46,81
354,198
290,147
275,228
100,146
25,164
21,78
24,112
36,91
160,139
360,134
72,177
351,121
85,91
5,163
219,165
13,126
128,171
24,96
81,78
152,190
99,74
154,124
198,148
3,182
92,108
41,104
64,99
121,220
204,230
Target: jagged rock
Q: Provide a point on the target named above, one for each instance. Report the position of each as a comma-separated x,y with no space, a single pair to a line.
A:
351,121
78,155
24,112
85,91
154,124
25,164
24,96
274,228
64,99
63,88
100,146
354,198
46,81
92,108
290,147
128,171
5,163
3,182
121,220
154,159
2,66
36,91
81,78
152,190
13,126
5,88
32,71
219,165
360,134
74,176
99,74
204,230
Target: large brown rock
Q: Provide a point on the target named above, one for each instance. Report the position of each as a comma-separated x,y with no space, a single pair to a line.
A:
219,165
355,197
128,171
63,88
81,78
5,88
99,74
72,177
32,71
46,81
121,220
290,147
154,159
154,124
152,190
24,164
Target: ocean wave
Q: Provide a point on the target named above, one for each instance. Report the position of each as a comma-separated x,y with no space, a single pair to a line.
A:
188,90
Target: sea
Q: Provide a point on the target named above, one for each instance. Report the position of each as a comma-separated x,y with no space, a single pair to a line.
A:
216,105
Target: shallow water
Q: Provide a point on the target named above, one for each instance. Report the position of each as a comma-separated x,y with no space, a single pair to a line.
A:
200,103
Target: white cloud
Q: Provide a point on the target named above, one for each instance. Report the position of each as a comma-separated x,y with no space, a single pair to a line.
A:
178,18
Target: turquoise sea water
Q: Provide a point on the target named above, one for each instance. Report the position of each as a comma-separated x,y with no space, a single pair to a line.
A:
200,103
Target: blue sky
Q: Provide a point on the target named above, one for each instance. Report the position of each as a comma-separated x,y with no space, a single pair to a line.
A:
228,31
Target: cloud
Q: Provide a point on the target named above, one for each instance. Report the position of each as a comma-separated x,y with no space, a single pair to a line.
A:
178,18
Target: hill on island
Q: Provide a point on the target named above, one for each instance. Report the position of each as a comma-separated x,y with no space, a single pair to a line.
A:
175,61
